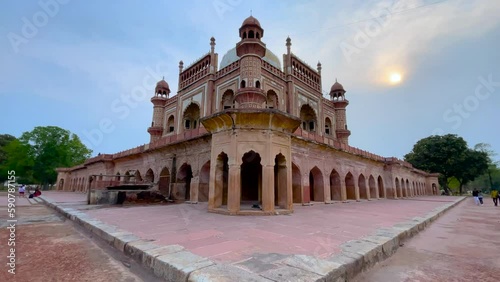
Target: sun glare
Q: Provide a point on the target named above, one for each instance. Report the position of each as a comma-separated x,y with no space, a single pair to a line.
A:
395,78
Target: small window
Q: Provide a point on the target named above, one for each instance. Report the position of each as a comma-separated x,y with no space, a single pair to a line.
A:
311,125
257,84
243,84
187,124
171,129
194,124
327,130
304,125
346,126
250,34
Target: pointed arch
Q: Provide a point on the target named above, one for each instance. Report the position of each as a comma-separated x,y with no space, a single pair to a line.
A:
398,188
227,99
296,184
191,116
204,180
373,187
335,186
316,188
221,180
171,124
150,176
184,176
381,188
272,100
350,187
251,177
328,126
308,117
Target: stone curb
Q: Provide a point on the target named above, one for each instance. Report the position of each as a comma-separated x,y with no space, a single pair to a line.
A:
174,263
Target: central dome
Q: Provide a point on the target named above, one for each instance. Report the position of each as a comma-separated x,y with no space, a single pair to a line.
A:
231,57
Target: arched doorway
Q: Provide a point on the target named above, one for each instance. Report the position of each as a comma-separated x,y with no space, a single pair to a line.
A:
434,189
349,186
308,117
221,180
272,100
164,182
335,186
403,188
150,176
184,182
191,116
204,179
137,177
407,187
328,126
126,177
373,187
280,181
251,178
296,184
381,189
398,188
227,99
316,188
363,193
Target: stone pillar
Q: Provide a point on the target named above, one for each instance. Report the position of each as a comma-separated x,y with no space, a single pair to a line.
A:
268,188
343,190
234,189
356,190
327,193
194,189
212,195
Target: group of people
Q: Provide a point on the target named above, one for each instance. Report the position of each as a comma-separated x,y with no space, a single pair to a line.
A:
478,196
22,191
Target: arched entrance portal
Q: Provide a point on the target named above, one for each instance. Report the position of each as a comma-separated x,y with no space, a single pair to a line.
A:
373,187
335,186
183,182
316,188
221,180
150,177
204,179
280,179
296,184
349,186
164,183
381,190
251,178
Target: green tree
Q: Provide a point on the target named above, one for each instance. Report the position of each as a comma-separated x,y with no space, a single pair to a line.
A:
39,152
449,156
491,178
5,139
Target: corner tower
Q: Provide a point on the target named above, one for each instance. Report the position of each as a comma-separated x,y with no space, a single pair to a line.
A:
337,95
162,91
251,50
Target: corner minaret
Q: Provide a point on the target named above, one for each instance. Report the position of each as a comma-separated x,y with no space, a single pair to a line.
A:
337,95
251,50
162,91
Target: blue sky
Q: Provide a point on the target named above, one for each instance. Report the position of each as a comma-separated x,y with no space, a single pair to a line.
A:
90,66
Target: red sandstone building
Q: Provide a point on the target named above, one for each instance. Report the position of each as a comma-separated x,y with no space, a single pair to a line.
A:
251,130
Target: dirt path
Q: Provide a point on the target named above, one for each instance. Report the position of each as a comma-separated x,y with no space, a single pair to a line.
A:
51,248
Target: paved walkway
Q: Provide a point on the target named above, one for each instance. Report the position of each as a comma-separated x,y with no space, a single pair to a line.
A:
317,230
462,245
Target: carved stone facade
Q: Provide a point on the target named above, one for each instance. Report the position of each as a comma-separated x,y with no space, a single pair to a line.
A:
251,137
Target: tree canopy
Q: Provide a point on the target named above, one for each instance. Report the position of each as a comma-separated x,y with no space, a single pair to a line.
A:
36,154
449,156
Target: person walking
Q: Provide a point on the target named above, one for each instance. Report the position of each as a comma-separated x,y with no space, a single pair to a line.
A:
494,196
475,194
480,196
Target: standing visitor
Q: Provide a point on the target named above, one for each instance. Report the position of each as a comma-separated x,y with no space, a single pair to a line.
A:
494,196
475,194
22,189
480,196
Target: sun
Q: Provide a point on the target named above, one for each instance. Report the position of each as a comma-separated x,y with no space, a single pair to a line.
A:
395,78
